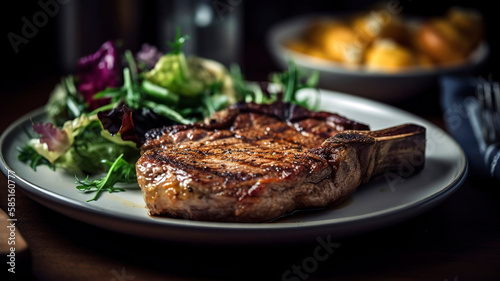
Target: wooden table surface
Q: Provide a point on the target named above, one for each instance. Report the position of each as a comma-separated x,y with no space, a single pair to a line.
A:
457,240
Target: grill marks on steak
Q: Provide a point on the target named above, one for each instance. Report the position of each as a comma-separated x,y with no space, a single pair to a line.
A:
253,163
277,115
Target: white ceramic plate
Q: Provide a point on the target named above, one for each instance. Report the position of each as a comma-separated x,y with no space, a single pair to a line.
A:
380,203
377,85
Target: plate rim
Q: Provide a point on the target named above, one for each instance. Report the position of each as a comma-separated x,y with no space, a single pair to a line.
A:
49,198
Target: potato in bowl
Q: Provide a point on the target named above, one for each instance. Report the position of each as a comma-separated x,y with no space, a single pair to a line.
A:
380,57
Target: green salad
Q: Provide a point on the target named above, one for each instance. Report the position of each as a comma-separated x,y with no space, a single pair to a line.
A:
101,114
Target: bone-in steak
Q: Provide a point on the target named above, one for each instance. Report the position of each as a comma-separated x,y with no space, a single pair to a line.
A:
254,163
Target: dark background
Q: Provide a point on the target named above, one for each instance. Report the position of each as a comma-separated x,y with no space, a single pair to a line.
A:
52,53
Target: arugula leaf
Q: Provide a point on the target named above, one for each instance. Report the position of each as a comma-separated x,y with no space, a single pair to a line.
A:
29,154
119,171
91,148
65,103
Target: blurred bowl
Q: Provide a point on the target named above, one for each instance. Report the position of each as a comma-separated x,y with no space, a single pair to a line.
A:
357,80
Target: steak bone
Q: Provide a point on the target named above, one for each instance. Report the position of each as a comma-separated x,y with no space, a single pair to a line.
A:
358,156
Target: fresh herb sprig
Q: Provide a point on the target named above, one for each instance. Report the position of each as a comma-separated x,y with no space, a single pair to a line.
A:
293,80
119,171
129,93
178,42
289,82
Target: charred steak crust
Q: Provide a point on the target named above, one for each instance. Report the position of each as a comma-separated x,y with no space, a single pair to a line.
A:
302,118
254,162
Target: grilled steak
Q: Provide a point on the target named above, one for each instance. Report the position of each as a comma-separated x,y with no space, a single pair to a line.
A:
254,163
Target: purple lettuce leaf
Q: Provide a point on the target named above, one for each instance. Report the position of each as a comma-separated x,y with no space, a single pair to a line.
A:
56,139
97,72
119,120
132,125
149,55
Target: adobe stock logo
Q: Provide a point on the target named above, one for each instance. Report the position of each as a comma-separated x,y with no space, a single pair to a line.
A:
39,19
